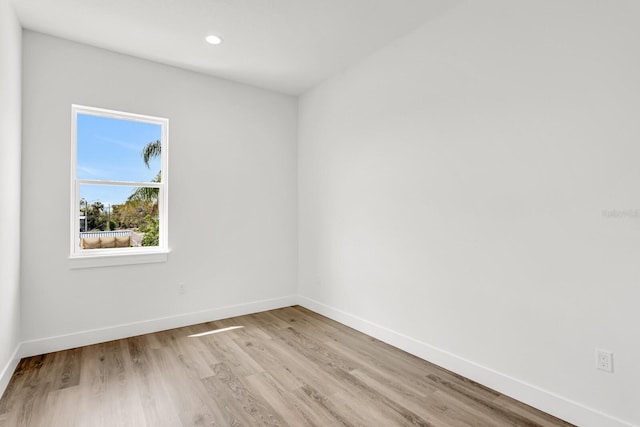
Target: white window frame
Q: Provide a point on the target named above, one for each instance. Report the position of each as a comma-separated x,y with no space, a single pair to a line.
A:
118,256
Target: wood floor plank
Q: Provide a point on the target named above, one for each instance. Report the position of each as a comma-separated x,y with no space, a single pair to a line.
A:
265,355
69,374
430,408
528,412
57,407
339,369
286,367
253,404
157,407
181,386
286,403
225,350
323,406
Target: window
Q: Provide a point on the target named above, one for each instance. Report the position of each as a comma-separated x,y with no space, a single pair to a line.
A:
119,187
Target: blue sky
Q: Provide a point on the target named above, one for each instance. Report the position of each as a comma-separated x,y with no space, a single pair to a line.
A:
111,149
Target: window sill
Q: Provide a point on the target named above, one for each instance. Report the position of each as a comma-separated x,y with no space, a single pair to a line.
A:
105,259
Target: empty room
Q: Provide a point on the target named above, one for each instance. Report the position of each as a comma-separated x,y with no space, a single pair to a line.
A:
319,212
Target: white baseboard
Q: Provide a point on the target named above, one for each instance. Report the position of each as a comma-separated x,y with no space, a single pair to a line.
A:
7,371
95,336
544,400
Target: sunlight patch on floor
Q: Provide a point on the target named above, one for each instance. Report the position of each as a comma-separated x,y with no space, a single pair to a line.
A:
215,331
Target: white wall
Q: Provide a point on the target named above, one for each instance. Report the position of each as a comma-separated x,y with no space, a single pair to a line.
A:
451,197
10,36
232,197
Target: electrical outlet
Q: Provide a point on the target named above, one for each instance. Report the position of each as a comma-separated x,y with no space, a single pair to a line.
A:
182,288
604,360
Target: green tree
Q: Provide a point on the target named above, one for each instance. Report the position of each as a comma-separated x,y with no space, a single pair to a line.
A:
151,232
83,212
148,197
116,215
132,213
95,217
98,206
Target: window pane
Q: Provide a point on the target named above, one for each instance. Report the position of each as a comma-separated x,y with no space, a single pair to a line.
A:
111,213
111,149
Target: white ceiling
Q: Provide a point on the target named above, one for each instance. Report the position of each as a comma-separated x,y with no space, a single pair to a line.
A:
283,45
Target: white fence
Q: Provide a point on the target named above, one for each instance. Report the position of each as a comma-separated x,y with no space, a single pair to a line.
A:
120,233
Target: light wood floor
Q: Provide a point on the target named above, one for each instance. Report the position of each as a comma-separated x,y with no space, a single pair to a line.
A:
287,367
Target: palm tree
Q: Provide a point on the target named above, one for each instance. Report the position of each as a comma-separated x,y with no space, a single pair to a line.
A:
145,193
98,207
94,216
150,151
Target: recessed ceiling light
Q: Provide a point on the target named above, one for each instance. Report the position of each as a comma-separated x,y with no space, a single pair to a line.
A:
213,39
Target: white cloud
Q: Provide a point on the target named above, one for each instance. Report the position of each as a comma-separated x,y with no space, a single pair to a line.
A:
119,142
87,170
